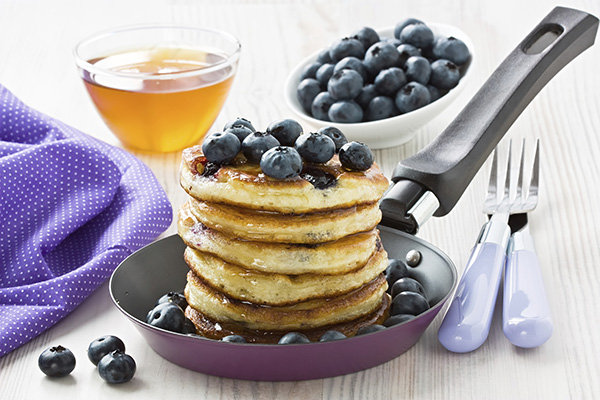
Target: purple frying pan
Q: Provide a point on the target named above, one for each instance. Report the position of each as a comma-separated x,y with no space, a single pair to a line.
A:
428,183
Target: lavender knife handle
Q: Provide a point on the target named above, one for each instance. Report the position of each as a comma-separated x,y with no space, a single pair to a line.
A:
526,317
466,324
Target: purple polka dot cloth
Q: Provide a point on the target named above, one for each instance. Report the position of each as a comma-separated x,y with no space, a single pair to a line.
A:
71,209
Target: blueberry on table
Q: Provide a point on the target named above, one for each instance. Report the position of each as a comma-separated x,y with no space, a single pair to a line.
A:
330,336
174,297
403,24
167,316
256,144
221,147
381,107
418,69
380,56
239,121
370,329
241,131
102,346
411,97
396,269
397,319
356,156
281,162
346,47
116,367
324,73
56,361
407,284
409,303
352,63
418,35
334,134
234,339
310,70
286,131
345,111
306,92
293,338
315,147
345,84
321,105
444,74
390,80
451,49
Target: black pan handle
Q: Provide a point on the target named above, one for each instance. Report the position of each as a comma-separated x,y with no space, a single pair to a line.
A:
447,165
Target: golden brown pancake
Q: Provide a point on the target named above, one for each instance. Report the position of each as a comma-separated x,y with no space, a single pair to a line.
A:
277,289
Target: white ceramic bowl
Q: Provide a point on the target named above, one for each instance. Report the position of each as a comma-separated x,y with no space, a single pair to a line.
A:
391,131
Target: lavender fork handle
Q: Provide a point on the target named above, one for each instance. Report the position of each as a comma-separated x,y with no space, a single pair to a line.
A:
526,320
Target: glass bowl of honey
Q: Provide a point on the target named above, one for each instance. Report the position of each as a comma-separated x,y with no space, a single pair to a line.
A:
158,88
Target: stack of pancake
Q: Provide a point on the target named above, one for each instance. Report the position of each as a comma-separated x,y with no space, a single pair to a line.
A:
270,256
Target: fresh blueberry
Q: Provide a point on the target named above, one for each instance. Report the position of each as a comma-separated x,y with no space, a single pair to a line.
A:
397,319
315,147
324,73
234,339
390,80
435,93
381,107
57,361
293,338
310,70
321,105
306,92
188,327
317,177
345,84
281,162
256,144
407,51
370,329
356,156
174,297
403,24
407,284
412,96
418,69
116,367
444,74
396,269
336,135
286,131
330,336
352,63
367,93
419,35
409,303
394,41
345,112
451,49
167,316
102,346
380,56
221,147
239,121
324,57
367,36
346,47
241,131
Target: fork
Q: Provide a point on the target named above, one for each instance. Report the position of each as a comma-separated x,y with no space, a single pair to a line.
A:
526,319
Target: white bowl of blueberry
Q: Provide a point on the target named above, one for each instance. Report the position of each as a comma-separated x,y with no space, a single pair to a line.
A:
380,86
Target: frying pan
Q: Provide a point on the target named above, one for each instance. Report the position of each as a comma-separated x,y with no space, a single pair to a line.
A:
428,183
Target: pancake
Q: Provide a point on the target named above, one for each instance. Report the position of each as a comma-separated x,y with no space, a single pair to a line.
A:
304,315
335,257
267,226
242,184
217,330
278,289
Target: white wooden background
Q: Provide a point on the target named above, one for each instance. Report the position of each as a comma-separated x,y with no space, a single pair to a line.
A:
36,63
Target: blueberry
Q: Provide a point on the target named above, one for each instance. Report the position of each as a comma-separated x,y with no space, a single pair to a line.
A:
380,56
345,111
403,24
418,69
57,361
352,63
394,41
324,57
435,93
281,162
336,135
444,74
345,84
174,297
380,107
188,327
167,316
412,96
234,339
324,73
419,35
221,147
367,93
330,336
310,70
116,367
241,131
396,269
256,144
286,131
239,121
389,81
398,319
451,49
293,338
407,51
315,147
409,303
407,284
370,329
356,156
306,92
318,178
321,105
367,36
102,346
346,47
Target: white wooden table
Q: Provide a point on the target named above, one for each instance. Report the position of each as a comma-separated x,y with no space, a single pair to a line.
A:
36,63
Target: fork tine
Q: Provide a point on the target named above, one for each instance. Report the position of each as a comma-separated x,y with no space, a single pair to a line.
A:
519,193
491,199
535,177
505,202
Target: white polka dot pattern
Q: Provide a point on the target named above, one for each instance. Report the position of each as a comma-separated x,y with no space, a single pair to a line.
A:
71,208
